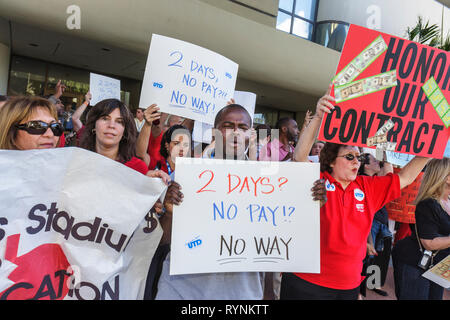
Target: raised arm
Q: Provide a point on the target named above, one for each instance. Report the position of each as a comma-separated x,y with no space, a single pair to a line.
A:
309,134
410,172
77,124
144,136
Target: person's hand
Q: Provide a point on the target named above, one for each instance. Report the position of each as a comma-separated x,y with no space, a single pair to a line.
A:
319,191
371,250
88,98
231,101
159,174
151,114
173,196
325,105
158,207
308,118
59,89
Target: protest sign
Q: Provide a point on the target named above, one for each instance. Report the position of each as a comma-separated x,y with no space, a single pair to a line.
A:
234,218
440,273
369,98
187,80
102,88
74,225
402,209
202,132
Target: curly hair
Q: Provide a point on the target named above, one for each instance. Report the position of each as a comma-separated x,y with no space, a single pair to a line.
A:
327,156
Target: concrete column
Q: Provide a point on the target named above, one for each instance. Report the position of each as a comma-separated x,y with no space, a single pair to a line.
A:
5,57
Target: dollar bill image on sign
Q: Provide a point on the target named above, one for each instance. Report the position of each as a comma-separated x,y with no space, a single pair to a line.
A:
446,119
361,62
437,100
365,86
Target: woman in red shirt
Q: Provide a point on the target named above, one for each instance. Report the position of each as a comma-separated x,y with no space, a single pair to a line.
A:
346,217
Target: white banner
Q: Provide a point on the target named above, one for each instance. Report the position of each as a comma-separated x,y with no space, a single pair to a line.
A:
187,80
73,226
102,88
235,218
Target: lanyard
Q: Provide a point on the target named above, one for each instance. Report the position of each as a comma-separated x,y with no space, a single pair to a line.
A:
169,170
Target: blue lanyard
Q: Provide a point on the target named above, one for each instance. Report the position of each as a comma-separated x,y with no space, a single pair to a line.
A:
169,170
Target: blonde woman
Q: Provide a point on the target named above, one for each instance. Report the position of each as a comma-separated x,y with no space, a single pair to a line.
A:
429,242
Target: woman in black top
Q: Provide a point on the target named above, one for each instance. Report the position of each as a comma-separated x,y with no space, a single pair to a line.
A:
433,232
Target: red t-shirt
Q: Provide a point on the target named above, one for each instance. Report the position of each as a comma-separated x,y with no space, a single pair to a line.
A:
137,164
345,223
62,141
154,145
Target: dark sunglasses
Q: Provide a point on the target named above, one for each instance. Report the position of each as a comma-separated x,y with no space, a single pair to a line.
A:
40,127
351,157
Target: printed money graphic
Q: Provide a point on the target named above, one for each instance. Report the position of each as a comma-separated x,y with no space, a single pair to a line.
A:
437,99
361,62
365,86
380,140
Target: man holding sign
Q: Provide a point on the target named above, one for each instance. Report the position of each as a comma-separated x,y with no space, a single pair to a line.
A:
233,123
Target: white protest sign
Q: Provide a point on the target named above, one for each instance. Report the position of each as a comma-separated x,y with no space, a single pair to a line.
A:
234,219
398,159
73,225
202,132
187,80
102,88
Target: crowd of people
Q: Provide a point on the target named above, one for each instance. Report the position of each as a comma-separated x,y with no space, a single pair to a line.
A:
353,190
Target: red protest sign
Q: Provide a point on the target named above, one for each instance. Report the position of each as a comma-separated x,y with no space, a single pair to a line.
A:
418,128
402,209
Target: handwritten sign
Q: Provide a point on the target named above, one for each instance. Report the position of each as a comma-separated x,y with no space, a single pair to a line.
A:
402,209
371,55
63,231
102,88
235,218
187,80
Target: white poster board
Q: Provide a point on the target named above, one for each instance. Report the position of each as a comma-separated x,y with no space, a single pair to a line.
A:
102,88
187,80
233,218
72,226
202,132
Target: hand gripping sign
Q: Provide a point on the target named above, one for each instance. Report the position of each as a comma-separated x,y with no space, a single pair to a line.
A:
72,226
235,218
367,95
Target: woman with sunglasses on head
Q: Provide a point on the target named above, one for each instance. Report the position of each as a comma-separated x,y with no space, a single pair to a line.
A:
29,123
429,242
346,217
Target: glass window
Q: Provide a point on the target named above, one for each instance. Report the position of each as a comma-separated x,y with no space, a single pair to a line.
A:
287,5
302,28
284,22
331,34
27,77
305,9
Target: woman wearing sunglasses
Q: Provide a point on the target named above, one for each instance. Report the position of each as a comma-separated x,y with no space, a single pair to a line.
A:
29,123
346,217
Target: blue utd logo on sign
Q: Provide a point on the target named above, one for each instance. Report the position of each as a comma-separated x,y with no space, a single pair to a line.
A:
158,85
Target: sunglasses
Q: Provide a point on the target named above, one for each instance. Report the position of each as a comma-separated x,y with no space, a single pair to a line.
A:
40,127
351,157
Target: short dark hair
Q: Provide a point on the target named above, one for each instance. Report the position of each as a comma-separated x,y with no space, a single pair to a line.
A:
3,98
283,122
127,146
167,138
228,108
327,156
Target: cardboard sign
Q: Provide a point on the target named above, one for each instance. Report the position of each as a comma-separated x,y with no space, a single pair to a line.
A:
102,88
418,128
234,218
73,226
402,209
203,132
187,80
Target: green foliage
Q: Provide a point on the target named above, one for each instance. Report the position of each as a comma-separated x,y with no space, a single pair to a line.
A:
428,34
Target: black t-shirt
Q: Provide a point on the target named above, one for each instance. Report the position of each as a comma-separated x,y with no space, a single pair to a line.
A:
432,222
